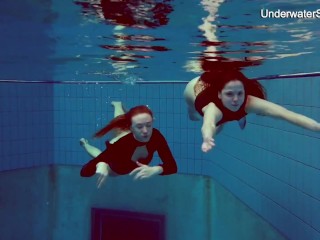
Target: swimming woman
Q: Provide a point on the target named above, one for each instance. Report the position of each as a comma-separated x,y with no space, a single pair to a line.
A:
131,150
223,96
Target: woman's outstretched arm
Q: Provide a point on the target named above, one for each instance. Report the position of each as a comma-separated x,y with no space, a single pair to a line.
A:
264,107
211,115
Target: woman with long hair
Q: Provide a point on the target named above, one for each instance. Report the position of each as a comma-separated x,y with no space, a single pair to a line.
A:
131,150
223,95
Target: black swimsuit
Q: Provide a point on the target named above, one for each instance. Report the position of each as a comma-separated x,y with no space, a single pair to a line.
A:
119,155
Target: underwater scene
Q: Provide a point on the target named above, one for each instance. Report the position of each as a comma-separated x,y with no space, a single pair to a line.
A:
160,120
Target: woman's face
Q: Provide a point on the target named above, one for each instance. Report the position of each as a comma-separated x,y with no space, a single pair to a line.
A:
232,95
141,127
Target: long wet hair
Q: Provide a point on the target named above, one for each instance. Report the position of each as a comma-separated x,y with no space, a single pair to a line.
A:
219,78
123,122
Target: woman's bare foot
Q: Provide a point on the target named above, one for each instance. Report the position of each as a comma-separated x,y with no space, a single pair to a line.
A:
119,108
116,103
83,142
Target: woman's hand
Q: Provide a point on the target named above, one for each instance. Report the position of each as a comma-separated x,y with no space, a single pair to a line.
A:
209,129
102,172
317,127
208,144
145,171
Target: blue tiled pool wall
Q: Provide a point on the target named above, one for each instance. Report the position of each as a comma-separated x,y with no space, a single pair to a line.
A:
26,122
271,166
80,110
57,204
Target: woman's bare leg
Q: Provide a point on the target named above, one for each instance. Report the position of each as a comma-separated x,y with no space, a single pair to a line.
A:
91,150
118,110
190,98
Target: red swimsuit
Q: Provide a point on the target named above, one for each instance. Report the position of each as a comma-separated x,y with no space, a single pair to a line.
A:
206,96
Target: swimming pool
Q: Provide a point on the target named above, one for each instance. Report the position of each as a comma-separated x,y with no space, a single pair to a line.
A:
73,54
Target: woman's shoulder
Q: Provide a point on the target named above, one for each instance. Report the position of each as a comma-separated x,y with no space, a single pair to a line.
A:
122,136
156,134
255,105
251,98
